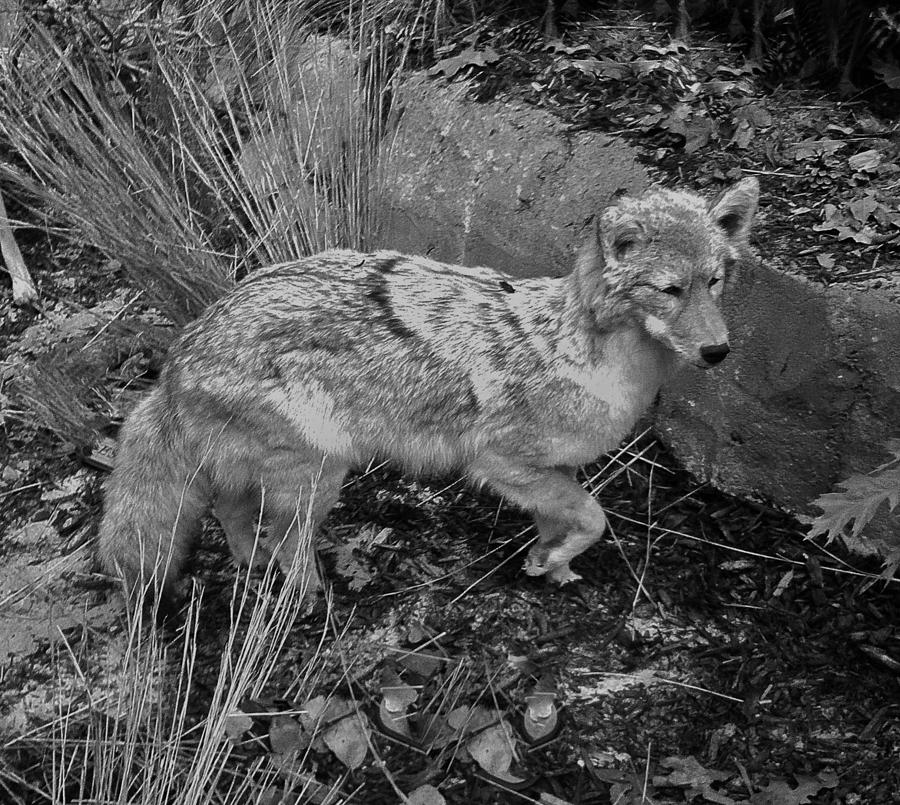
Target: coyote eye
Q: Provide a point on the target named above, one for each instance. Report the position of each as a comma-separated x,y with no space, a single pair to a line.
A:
714,281
672,290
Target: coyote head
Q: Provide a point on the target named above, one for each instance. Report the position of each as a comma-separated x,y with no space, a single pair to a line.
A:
661,261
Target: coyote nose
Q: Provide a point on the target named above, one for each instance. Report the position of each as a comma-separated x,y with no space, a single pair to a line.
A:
715,353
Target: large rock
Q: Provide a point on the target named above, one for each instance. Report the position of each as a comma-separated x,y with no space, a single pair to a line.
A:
808,397
812,389
499,184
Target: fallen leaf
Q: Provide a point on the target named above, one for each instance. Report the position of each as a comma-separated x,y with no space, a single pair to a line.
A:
318,712
469,719
421,663
807,149
608,69
34,534
426,795
861,497
783,584
825,260
349,739
417,632
865,160
698,133
438,733
397,696
594,67
754,113
491,742
743,134
286,735
352,556
470,57
549,799
643,67
718,87
312,711
779,792
865,236
862,208
236,724
698,780
558,46
492,749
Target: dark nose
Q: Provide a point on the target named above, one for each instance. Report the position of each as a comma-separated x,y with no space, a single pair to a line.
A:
714,354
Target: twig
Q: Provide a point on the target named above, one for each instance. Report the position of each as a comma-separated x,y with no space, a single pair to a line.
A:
880,272
775,173
657,678
846,571
23,288
18,489
118,315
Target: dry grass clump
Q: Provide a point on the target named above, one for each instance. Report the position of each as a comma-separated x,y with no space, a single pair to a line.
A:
193,143
129,731
210,141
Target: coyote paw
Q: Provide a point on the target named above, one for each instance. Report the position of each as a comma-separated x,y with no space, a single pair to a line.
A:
256,560
534,568
561,574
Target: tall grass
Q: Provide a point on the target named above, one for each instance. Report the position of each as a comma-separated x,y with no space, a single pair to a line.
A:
210,141
191,146
132,741
93,164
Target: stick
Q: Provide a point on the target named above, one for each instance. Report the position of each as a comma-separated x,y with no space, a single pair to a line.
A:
22,285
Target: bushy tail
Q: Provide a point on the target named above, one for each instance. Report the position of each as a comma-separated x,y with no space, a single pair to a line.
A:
153,503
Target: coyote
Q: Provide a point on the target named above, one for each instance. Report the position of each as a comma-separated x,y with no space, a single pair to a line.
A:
309,368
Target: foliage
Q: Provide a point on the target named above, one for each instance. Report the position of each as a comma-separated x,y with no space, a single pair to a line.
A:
835,43
844,38
665,92
859,501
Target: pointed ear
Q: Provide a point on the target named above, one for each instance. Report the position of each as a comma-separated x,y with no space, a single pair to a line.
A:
588,257
734,209
619,235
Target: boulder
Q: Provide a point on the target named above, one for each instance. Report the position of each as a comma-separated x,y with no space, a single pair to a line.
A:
498,184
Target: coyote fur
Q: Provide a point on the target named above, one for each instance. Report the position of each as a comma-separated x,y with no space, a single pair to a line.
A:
309,368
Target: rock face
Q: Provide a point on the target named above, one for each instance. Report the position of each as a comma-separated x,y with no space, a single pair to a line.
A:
809,395
497,184
812,387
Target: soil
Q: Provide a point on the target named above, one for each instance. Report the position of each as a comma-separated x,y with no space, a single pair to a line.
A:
708,654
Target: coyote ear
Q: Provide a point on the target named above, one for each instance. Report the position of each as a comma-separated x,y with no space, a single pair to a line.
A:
734,209
588,257
619,234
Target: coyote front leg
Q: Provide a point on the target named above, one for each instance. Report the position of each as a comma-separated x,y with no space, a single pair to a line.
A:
568,519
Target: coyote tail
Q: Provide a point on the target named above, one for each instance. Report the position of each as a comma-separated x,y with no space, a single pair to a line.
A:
154,500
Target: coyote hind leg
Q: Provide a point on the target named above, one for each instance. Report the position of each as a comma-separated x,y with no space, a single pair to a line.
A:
287,507
238,514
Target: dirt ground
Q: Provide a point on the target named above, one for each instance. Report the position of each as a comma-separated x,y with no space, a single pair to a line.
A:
710,653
